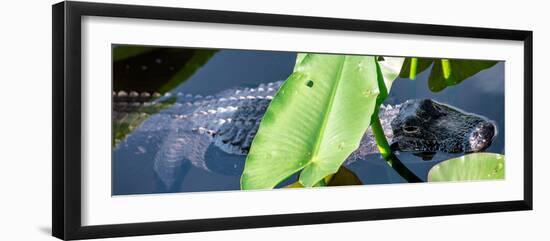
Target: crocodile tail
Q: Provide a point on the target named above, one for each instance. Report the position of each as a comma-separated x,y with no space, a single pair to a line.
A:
179,146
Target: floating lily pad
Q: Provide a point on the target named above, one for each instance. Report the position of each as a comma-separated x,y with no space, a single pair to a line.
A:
471,167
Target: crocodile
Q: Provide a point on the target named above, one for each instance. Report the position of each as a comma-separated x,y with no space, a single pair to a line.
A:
230,119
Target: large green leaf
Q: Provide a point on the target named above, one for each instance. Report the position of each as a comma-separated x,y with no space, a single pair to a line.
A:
299,58
475,166
414,66
452,72
445,72
315,120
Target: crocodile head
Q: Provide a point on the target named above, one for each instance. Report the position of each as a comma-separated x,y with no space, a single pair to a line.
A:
425,126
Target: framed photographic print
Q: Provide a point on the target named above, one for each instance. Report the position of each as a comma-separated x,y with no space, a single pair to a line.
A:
171,120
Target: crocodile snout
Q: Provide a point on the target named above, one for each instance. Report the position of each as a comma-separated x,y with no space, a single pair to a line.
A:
481,137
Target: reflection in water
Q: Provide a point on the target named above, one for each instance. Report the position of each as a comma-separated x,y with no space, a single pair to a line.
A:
133,159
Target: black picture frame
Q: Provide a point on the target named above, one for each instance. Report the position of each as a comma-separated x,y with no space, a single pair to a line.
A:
66,170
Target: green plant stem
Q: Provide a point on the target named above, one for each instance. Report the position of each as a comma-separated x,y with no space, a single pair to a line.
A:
446,68
385,150
413,68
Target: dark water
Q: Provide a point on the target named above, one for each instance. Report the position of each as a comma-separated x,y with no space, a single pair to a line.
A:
133,173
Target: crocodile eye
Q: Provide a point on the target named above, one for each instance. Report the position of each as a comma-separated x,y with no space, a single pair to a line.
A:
411,129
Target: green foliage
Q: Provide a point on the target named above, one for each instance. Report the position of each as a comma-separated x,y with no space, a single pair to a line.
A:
200,57
389,71
445,72
128,51
475,166
302,136
343,177
314,122
122,127
414,66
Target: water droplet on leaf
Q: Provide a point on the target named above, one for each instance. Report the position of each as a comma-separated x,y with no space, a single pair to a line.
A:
341,146
367,92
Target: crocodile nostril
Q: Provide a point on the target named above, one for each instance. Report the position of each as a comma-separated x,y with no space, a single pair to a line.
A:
487,131
481,137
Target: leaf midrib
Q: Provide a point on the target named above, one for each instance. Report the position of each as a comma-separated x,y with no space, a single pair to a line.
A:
329,108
